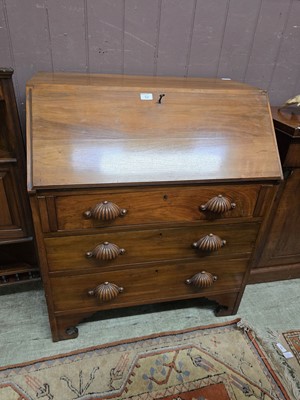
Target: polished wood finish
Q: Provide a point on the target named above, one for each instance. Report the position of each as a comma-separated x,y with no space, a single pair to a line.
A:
218,204
106,292
17,253
203,144
145,284
144,201
67,211
145,245
281,255
202,280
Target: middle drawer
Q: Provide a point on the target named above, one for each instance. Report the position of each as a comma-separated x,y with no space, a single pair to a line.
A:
139,246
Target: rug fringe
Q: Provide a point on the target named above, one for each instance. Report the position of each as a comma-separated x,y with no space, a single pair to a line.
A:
245,326
279,362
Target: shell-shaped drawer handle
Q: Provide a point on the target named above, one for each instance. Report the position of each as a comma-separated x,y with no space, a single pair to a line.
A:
105,211
202,280
106,291
218,204
105,251
209,242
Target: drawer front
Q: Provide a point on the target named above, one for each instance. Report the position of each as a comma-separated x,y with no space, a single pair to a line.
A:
74,252
146,206
146,284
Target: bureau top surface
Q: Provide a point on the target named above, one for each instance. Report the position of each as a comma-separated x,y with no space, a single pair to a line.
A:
97,130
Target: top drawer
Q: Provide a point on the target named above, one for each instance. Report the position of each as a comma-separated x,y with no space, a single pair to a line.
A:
138,206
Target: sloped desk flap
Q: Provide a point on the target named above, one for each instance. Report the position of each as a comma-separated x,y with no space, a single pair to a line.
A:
113,130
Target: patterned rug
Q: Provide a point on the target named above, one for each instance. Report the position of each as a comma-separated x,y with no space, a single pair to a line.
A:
293,340
286,346
217,362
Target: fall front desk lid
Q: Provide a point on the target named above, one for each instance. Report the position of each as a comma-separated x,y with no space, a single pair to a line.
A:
98,130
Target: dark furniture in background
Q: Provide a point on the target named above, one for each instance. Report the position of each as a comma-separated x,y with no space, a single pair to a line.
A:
18,261
281,256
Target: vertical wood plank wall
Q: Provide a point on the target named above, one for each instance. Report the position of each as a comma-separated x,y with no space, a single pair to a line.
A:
252,41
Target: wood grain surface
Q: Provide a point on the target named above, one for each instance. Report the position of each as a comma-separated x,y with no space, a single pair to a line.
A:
144,246
65,211
166,282
96,150
99,132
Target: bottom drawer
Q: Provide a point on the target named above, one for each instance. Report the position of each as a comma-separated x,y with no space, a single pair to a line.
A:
146,285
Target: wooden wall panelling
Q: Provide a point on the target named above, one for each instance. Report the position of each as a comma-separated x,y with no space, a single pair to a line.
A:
266,42
287,66
106,36
297,85
141,33
209,26
234,56
253,41
175,30
28,30
5,44
67,35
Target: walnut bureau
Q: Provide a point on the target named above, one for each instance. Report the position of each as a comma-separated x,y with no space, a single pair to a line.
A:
146,190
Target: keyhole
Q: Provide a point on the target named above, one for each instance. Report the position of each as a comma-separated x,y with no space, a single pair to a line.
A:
160,98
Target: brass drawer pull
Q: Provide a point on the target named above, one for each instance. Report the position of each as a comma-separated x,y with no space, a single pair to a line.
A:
105,211
105,251
209,242
106,291
218,205
202,280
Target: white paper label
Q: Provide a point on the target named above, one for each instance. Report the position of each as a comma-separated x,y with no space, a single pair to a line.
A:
285,353
281,348
288,354
146,96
